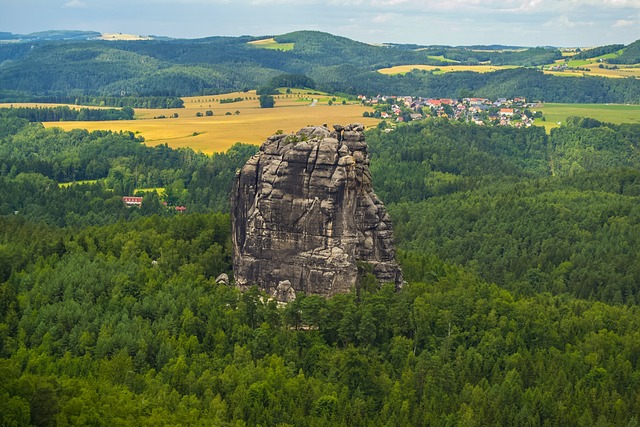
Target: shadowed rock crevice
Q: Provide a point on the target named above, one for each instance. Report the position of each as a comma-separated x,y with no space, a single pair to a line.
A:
304,212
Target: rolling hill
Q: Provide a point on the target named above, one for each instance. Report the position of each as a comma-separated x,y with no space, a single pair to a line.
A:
336,64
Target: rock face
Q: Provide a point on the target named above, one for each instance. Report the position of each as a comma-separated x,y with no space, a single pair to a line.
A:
304,213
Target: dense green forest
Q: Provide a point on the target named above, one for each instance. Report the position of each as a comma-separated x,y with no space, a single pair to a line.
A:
532,212
33,160
519,250
117,72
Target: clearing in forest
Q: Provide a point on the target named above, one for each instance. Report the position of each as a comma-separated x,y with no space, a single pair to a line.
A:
441,69
272,44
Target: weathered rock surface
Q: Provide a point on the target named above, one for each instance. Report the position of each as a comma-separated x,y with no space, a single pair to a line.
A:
222,279
304,213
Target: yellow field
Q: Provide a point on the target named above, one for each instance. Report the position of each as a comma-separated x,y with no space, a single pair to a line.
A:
622,72
593,66
219,132
402,69
272,44
120,36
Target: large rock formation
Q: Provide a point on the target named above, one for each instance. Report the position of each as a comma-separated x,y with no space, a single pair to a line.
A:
304,214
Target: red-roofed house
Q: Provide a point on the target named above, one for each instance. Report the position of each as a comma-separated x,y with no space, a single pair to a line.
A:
132,201
506,111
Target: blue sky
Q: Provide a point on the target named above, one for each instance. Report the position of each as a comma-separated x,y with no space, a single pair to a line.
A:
452,22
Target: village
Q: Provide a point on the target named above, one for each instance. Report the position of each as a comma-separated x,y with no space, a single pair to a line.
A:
514,112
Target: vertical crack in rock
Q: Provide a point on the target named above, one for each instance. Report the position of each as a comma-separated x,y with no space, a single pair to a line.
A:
304,213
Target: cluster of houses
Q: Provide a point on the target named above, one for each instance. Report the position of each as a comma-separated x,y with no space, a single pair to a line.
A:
135,201
482,111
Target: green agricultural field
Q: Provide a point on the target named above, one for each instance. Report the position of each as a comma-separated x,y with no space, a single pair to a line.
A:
160,190
68,184
595,60
611,113
441,58
579,62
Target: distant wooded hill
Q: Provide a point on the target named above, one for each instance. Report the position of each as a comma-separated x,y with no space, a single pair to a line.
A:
335,64
50,35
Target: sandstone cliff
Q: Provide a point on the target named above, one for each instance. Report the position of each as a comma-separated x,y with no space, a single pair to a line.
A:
304,213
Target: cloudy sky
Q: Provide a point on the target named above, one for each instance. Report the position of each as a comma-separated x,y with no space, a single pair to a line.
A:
452,22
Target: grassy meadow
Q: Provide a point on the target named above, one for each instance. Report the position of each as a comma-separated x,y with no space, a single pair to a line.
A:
160,190
246,121
69,184
611,113
441,58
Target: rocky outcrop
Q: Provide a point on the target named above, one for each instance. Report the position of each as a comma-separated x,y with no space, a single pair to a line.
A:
304,214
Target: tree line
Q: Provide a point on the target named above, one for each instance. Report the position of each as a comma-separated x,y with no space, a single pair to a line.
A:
64,113
97,101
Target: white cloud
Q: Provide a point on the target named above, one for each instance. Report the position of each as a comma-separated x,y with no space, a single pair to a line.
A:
560,22
346,3
381,18
75,4
634,4
268,2
625,23
455,22
621,3
391,3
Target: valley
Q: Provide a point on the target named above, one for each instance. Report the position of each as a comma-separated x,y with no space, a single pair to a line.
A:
242,121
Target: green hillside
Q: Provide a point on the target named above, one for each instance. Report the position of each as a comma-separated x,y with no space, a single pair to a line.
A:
630,55
598,52
172,68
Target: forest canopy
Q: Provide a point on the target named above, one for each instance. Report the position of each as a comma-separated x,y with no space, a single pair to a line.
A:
519,249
